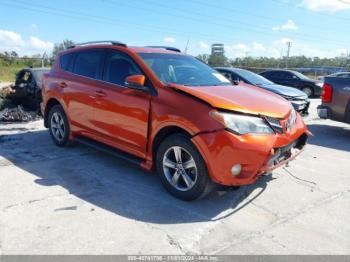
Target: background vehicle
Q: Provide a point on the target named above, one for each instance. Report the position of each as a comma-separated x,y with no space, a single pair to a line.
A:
166,110
293,79
27,89
298,98
339,74
335,99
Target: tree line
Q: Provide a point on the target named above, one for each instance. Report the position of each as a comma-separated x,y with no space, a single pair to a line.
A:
271,62
12,58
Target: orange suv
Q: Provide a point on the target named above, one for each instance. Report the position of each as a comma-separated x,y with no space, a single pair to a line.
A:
166,110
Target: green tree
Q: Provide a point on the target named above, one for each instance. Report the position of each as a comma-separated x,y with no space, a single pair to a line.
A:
204,58
58,47
218,60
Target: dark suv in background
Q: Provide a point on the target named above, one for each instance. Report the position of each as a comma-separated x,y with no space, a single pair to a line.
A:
294,79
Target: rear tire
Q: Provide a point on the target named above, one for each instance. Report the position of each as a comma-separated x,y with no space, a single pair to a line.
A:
59,126
182,169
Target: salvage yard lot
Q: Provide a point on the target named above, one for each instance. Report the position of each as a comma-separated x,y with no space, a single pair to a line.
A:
80,201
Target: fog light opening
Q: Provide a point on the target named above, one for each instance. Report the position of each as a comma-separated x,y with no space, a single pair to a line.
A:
236,170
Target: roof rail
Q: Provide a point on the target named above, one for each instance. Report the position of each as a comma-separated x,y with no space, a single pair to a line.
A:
167,48
99,42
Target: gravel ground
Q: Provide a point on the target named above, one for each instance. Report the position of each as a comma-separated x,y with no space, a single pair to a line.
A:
79,201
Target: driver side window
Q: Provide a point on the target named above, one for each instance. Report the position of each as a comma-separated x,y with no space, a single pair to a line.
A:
118,66
227,75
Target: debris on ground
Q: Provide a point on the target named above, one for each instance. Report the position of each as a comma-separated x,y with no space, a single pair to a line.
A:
10,111
18,114
5,101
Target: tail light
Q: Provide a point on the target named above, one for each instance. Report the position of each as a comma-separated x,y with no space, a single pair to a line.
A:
327,92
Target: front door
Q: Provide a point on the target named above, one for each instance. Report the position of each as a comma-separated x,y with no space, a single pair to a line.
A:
121,114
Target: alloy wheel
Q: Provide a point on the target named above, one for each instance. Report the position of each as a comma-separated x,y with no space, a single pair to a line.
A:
57,126
180,168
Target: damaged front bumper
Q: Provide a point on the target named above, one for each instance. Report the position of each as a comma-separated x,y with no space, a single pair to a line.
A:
256,154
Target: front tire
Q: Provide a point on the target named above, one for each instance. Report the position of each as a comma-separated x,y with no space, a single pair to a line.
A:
308,90
58,126
182,169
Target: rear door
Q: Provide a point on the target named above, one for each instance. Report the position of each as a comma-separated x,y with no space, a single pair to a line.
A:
121,114
271,75
80,86
289,79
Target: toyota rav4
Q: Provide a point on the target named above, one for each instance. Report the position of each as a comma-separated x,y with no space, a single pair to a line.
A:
168,111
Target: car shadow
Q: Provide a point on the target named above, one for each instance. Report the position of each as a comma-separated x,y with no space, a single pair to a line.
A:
113,184
336,137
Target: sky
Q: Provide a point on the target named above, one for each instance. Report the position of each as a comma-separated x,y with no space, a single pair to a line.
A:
246,27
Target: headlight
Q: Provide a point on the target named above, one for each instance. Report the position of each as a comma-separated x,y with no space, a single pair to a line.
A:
242,124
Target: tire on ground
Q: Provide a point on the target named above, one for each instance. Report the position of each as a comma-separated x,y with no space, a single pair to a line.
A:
203,185
65,139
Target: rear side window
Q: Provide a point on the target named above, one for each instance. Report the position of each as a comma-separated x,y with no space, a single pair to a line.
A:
66,62
267,74
118,67
287,75
88,63
276,74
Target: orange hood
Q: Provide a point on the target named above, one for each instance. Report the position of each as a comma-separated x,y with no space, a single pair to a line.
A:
242,98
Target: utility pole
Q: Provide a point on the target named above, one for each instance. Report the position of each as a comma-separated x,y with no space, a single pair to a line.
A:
289,45
43,60
186,48
280,58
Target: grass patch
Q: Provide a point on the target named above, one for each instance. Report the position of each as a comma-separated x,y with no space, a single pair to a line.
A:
8,73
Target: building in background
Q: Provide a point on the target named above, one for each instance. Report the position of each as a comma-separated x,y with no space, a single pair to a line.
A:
218,49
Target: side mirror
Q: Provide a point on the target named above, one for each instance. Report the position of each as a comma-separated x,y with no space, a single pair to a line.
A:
136,82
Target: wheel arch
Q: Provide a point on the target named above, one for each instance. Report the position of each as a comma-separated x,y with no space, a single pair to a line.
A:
164,133
52,102
309,86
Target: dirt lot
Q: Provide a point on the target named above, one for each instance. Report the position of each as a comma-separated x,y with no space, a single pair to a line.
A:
79,201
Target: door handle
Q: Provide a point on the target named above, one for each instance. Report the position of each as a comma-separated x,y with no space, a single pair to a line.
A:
100,93
63,85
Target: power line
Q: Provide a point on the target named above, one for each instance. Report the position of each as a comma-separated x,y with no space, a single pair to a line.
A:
94,18
319,14
237,24
162,13
240,11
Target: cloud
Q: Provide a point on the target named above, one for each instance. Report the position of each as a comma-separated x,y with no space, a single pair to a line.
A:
169,40
276,48
12,41
37,44
203,45
289,25
258,47
242,49
325,5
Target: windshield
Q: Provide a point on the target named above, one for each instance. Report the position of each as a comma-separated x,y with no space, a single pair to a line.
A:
253,78
183,70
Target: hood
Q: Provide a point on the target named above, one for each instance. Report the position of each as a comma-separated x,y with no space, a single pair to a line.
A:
241,98
283,90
